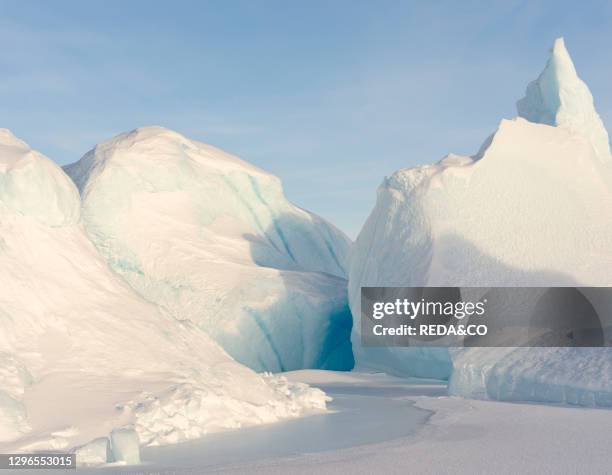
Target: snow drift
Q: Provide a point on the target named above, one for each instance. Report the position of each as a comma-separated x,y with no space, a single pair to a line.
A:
531,208
213,240
84,360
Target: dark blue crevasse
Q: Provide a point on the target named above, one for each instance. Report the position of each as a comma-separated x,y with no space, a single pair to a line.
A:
337,351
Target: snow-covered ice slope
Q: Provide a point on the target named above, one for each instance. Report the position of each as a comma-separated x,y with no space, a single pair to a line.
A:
213,240
531,208
82,354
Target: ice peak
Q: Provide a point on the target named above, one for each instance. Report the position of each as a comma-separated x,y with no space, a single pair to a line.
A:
8,138
558,97
143,135
141,147
154,132
561,57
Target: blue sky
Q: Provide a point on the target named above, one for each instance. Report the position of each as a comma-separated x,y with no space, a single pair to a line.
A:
331,96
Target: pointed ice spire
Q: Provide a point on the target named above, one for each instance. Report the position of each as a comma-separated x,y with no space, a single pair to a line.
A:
8,138
560,98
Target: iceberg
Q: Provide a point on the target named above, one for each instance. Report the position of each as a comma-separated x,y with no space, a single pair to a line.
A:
529,209
82,354
213,241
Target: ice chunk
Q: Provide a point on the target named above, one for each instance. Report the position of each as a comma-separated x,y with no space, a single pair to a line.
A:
185,411
96,452
576,376
125,446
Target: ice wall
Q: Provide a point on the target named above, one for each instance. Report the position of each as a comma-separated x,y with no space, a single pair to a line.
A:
213,240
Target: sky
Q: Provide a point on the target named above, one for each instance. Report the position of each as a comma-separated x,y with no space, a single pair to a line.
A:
331,96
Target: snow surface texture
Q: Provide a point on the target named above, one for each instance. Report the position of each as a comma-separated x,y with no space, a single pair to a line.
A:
82,354
530,209
213,240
